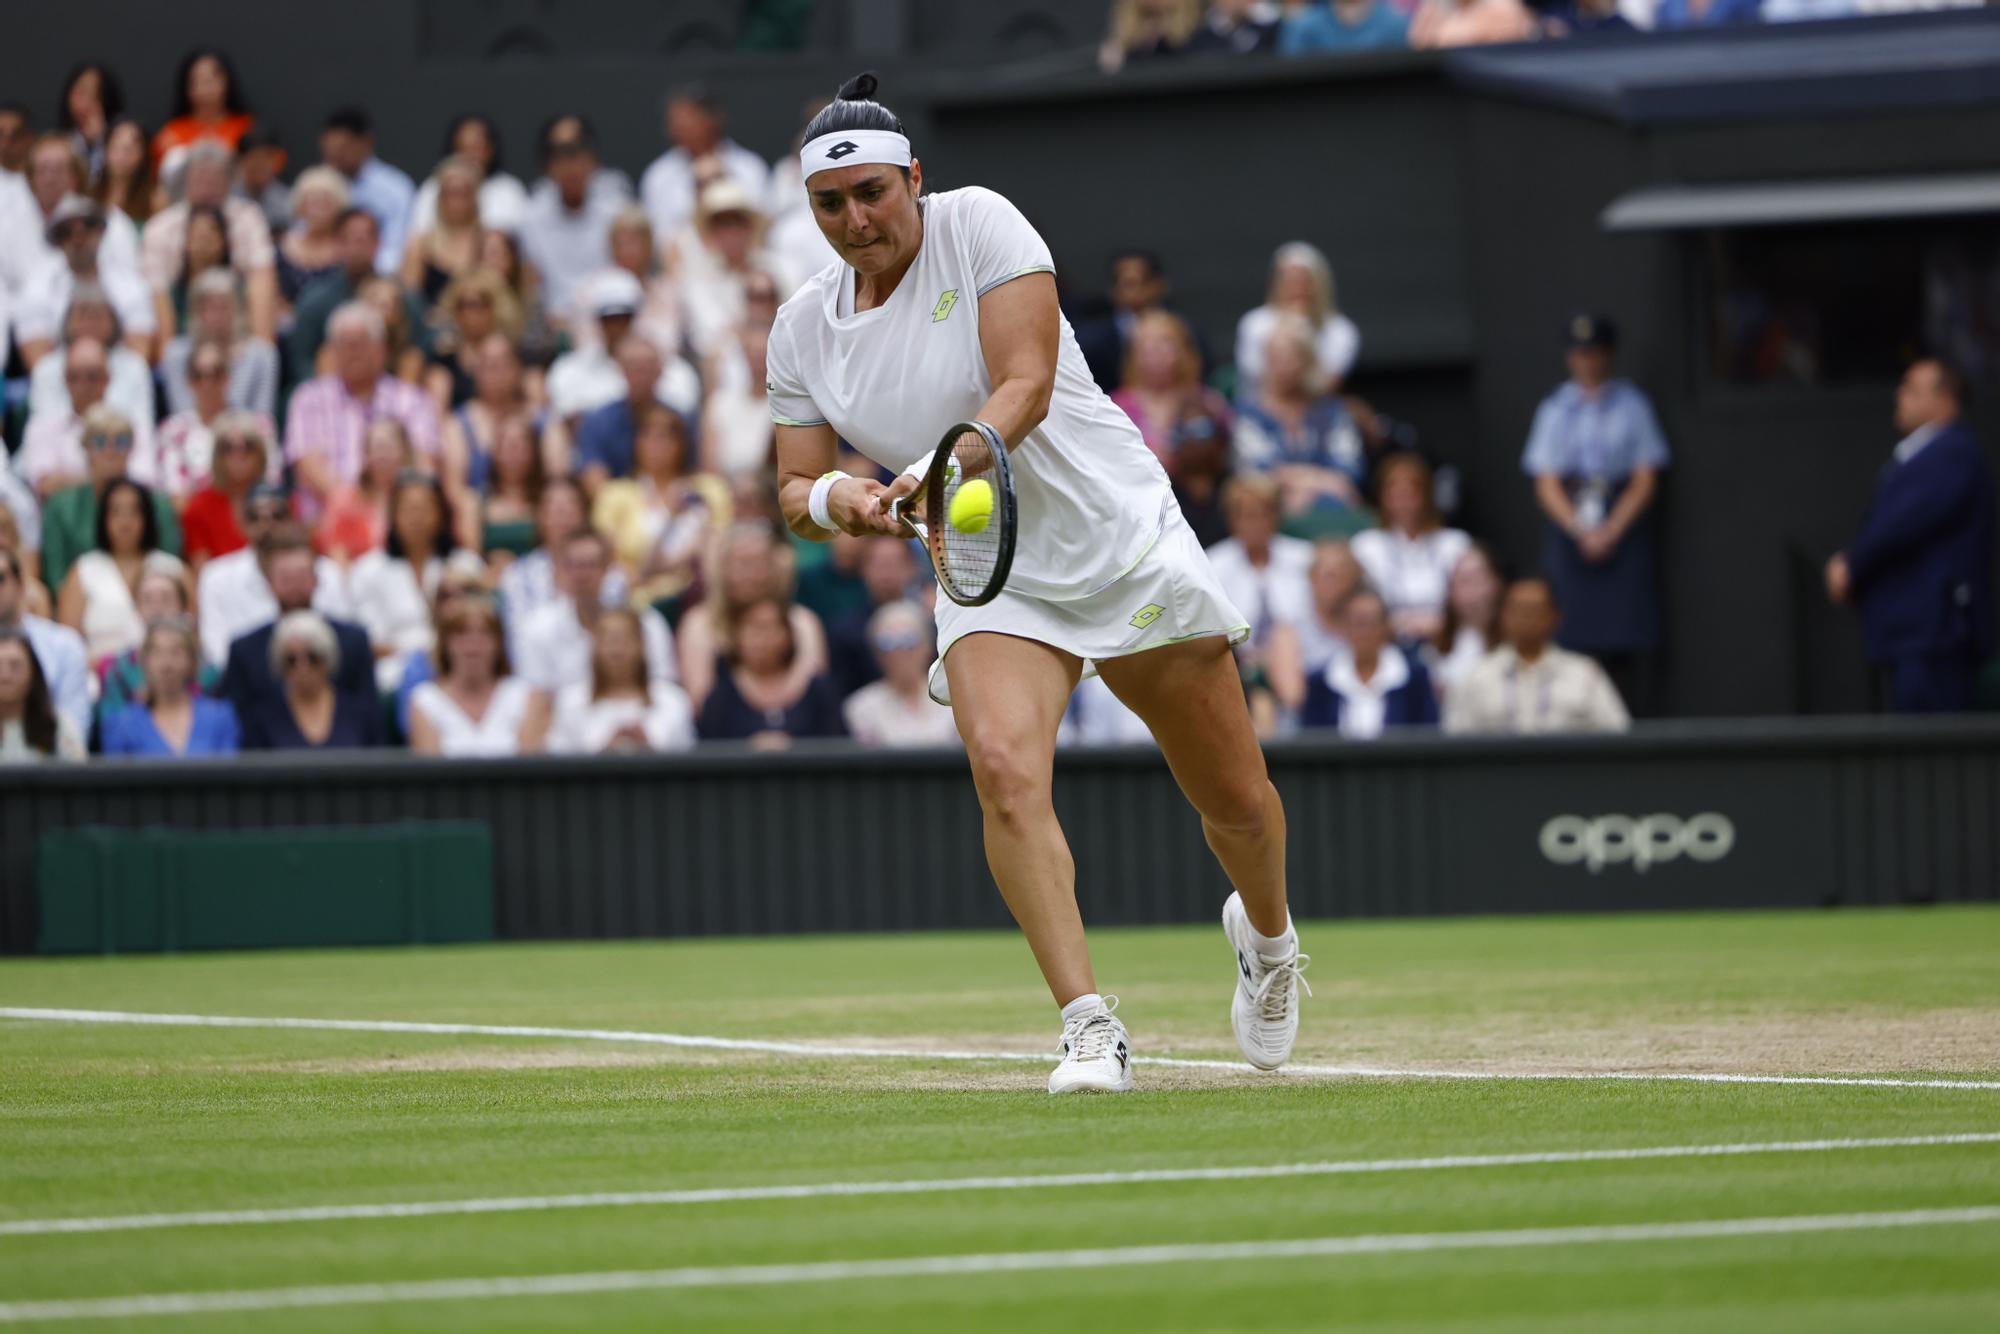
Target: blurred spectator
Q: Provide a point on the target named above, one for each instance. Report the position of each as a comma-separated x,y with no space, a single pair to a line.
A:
17,133
474,708
30,728
897,709
77,230
462,582
249,381
501,253
1202,446
1144,30
1161,386
98,597
21,533
260,163
660,520
1302,285
1569,18
448,248
329,416
1370,684
1236,28
1471,619
695,125
235,594
888,575
591,377
356,519
169,716
130,386
208,105
744,567
1096,717
92,101
28,251
832,587
162,595
1445,23
1263,571
566,232
407,356
57,649
1528,685
240,458
206,252
737,434
795,236
470,435
1138,284
356,236
308,712
311,249
503,200
531,582
658,318
393,587
556,637
715,266
1673,15
291,581
1921,568
1343,25
758,695
167,247
1409,559
477,308
69,518
126,181
623,707
1304,646
1292,429
51,457
1596,452
347,144
604,440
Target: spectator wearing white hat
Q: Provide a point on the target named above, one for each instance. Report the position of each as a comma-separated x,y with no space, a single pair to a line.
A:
77,230
589,377
714,264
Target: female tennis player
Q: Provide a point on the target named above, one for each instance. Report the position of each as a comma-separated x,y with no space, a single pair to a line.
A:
943,309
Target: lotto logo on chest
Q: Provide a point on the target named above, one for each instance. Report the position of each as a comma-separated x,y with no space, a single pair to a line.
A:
942,311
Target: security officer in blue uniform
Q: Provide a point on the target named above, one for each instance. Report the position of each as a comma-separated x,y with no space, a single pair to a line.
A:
1921,568
1596,453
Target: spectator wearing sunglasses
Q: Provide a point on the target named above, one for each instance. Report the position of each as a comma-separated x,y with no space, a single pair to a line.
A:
237,445
52,457
130,387
69,520
308,712
898,709
181,456
250,365
235,593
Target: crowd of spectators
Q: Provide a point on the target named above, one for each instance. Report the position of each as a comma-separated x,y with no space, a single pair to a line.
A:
1143,31
482,465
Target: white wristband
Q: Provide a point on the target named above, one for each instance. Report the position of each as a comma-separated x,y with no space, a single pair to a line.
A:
921,468
816,502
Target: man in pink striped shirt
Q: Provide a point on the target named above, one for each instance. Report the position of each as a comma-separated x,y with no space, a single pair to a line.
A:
328,424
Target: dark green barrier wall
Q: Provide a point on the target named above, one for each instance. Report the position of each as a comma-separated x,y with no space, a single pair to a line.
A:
1752,815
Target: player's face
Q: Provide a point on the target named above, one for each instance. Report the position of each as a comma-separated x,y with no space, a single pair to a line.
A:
868,213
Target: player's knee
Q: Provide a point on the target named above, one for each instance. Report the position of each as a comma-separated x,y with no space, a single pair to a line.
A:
1012,777
1241,808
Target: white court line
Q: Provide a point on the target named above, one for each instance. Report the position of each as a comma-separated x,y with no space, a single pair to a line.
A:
929,1266
321,1213
699,1041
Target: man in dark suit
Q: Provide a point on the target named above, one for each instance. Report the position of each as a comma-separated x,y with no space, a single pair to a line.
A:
1921,569
288,561
1138,284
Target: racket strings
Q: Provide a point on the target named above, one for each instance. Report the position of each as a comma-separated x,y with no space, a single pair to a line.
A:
966,561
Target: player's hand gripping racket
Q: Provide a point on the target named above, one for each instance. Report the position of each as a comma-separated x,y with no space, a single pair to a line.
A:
971,557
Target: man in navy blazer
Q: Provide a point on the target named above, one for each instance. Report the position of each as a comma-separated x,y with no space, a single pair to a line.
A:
1922,567
289,567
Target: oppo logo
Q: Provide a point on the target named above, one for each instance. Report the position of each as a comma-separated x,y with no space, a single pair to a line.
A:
1636,841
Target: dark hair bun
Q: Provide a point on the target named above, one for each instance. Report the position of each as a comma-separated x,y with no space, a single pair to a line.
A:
861,88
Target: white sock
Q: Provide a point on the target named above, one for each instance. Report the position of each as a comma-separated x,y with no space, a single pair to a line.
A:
1281,946
1082,1005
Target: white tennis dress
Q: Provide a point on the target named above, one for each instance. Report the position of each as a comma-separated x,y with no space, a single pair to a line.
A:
1104,565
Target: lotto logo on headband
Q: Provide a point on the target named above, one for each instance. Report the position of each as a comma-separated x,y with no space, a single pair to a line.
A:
853,148
842,149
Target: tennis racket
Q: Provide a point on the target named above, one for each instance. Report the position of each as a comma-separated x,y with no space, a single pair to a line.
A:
971,567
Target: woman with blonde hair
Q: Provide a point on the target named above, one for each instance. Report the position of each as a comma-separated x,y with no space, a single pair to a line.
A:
1410,558
169,716
477,306
1162,386
449,248
1144,29
1301,284
1296,431
240,457
309,249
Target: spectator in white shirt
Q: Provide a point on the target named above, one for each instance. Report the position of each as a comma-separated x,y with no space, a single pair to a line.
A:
1528,685
566,233
1409,559
51,457
1471,619
659,318
624,707
77,230
1302,648
55,172
394,588
503,200
474,707
556,639
715,263
92,316
1371,685
695,125
232,593
534,581
1302,284
1262,570
589,377
898,710
205,185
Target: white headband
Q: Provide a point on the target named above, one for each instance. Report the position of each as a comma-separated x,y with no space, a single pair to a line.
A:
851,148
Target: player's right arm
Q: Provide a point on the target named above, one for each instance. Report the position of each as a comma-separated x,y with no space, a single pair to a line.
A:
807,453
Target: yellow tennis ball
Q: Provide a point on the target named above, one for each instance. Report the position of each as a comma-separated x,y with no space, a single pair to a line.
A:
972,507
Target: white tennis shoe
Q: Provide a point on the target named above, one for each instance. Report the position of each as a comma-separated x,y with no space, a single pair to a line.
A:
1265,1009
1096,1057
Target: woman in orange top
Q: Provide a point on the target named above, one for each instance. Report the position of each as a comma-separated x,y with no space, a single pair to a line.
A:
208,104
